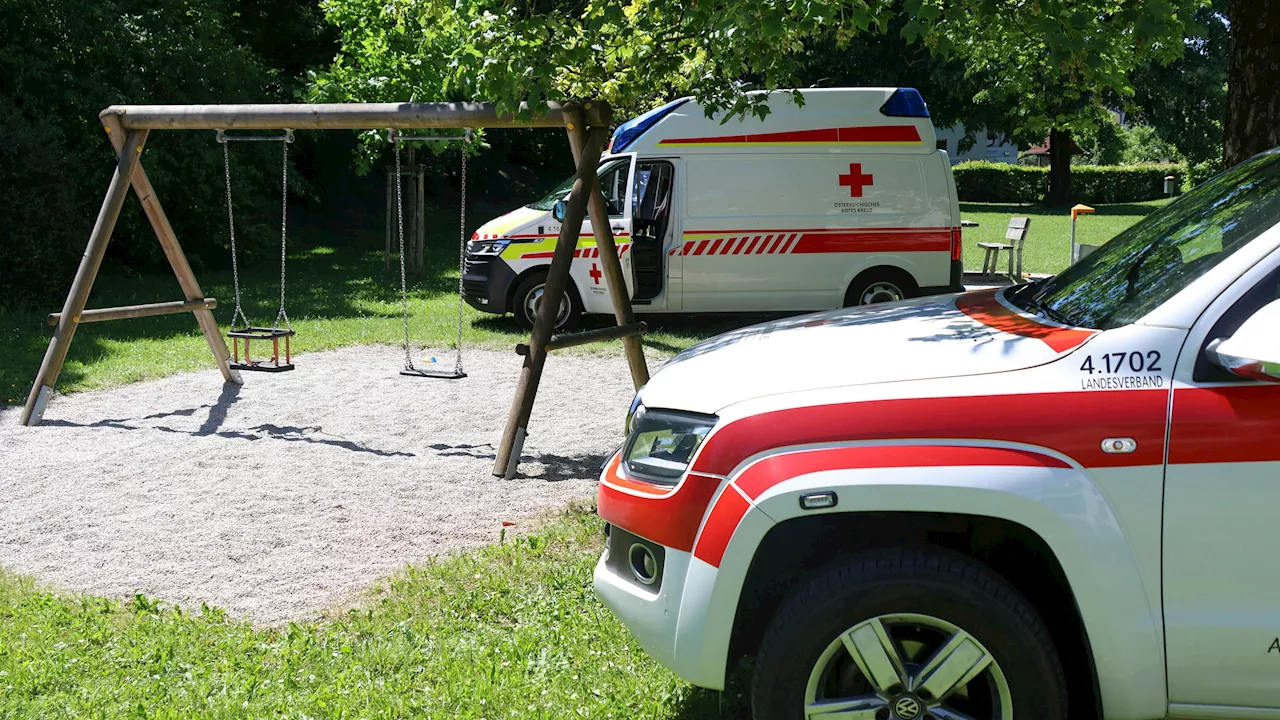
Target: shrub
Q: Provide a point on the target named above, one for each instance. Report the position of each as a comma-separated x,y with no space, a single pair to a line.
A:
983,181
1121,183
1197,173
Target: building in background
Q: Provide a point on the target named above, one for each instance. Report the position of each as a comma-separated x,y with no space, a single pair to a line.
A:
985,147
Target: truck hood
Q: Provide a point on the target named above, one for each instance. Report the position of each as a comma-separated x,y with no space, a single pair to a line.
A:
515,223
935,337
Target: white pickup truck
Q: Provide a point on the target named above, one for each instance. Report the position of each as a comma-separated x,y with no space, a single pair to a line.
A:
1056,500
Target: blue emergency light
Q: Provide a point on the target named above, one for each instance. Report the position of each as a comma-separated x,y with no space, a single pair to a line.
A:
905,102
635,127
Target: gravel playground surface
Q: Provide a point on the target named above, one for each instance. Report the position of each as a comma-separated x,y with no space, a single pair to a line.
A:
296,492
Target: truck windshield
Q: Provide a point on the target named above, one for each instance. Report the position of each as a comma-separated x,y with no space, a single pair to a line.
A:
1164,252
613,181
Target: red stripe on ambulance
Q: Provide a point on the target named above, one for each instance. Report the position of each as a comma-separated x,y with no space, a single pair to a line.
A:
870,135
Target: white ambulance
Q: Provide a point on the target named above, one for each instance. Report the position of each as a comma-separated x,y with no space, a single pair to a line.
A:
844,201
1052,501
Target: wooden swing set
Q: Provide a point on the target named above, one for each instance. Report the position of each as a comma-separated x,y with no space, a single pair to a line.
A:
587,125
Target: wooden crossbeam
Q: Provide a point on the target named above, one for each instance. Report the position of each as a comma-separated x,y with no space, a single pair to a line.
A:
350,116
561,342
136,311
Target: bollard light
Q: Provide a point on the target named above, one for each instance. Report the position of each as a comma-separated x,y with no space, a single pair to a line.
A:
1077,211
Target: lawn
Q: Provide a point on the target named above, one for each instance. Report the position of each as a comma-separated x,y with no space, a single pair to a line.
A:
1049,239
339,296
510,631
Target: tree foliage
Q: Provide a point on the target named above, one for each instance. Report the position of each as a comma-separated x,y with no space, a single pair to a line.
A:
1053,63
1185,101
631,53
64,61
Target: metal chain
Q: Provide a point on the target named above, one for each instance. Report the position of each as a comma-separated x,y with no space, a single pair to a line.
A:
231,226
404,292
284,212
462,257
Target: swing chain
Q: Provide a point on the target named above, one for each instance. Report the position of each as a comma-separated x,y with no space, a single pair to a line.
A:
396,139
462,254
284,210
404,292
231,225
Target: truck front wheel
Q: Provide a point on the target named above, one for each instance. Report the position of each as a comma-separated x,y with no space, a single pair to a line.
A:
528,297
911,635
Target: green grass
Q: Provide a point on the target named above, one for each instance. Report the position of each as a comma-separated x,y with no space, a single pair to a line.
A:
511,631
1047,249
338,296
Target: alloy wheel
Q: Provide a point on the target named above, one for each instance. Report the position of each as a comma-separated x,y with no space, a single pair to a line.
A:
907,667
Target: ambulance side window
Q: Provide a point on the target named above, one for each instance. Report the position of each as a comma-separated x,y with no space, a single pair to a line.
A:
613,183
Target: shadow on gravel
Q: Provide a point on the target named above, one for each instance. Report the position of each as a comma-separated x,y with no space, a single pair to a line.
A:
556,468
218,415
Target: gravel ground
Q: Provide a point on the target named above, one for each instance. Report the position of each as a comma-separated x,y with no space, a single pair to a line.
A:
294,493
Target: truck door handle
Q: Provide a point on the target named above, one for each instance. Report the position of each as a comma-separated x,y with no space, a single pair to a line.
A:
617,228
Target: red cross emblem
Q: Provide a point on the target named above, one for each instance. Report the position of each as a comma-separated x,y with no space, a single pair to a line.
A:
595,273
855,180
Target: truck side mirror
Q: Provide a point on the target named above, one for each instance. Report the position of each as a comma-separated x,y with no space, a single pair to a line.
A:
1253,352
559,209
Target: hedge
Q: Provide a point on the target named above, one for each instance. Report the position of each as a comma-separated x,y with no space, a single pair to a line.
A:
984,181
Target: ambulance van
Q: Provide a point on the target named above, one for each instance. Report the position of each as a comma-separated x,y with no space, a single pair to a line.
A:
844,200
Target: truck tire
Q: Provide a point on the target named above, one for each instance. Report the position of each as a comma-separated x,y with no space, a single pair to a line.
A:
903,612
880,284
528,296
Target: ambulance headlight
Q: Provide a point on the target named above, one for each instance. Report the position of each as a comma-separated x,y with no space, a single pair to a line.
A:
661,443
487,247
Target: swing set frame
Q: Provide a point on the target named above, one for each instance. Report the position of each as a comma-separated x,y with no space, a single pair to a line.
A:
128,126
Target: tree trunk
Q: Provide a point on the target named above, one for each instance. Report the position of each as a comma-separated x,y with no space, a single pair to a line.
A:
1253,105
1059,168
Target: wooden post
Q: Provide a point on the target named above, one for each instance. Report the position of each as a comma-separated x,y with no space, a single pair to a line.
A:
508,455
56,354
173,253
632,345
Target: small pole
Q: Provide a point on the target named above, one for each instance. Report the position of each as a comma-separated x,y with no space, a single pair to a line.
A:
1077,211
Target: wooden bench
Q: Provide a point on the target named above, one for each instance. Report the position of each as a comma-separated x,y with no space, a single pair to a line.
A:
1016,237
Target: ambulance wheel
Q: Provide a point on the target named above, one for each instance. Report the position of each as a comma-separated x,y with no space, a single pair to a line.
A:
880,284
528,297
912,635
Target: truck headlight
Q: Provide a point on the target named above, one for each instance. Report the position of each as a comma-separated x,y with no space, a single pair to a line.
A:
662,443
487,248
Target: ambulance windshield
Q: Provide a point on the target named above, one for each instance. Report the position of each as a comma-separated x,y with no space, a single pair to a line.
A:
613,181
1163,253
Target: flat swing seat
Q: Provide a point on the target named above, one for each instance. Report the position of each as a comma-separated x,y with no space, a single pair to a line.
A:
249,334
442,374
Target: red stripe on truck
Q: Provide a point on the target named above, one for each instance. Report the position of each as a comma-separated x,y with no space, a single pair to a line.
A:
1072,423
730,508
671,519
987,309
1239,423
